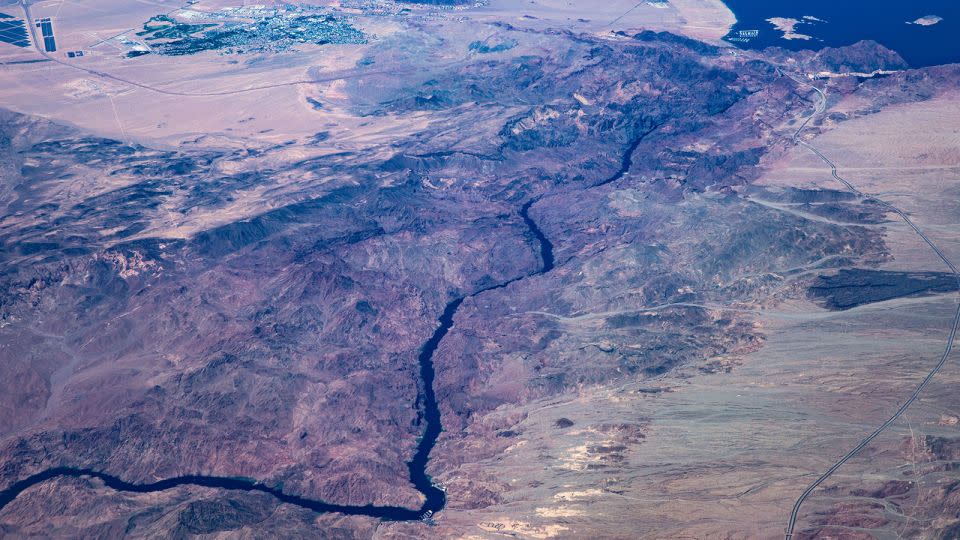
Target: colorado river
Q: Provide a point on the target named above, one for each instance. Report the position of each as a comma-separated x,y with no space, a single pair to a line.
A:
434,497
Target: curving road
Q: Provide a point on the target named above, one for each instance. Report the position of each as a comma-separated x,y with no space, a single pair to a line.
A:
821,105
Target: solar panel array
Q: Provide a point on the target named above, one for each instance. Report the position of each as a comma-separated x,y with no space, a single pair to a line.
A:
13,31
46,28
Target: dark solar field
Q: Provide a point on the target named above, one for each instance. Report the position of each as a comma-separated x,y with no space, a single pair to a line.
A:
46,28
13,31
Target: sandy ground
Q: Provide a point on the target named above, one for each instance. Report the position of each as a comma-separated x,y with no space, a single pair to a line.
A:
724,455
719,455
244,111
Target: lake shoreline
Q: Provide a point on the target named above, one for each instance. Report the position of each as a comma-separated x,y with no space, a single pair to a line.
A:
819,24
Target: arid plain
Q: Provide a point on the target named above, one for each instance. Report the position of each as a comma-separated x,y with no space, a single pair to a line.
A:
666,316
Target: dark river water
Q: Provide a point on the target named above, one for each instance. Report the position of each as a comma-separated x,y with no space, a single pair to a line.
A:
835,23
434,497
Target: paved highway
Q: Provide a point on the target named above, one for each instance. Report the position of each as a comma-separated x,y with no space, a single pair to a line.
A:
821,105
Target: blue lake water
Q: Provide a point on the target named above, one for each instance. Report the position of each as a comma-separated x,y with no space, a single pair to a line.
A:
843,22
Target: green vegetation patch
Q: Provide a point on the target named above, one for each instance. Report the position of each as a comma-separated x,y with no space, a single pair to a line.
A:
484,48
276,31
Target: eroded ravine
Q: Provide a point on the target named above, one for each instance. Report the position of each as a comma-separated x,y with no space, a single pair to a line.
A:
434,496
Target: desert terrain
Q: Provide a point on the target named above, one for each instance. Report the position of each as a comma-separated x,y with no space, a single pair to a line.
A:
389,270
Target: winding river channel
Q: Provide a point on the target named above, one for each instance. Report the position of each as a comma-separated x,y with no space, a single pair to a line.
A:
434,497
